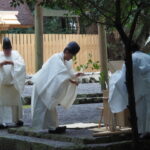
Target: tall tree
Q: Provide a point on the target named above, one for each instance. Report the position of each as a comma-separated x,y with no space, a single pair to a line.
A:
130,18
118,14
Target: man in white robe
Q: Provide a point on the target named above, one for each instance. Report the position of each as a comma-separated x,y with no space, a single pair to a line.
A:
12,79
118,98
54,84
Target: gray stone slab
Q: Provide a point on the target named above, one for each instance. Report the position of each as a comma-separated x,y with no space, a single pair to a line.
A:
52,143
17,142
78,136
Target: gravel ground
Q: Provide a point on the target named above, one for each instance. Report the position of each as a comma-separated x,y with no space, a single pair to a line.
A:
89,88
84,113
86,88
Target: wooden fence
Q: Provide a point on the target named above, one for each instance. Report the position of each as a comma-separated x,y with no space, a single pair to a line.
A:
53,43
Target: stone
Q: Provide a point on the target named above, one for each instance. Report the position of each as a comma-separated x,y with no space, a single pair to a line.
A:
28,82
39,146
73,139
26,100
92,80
85,80
23,145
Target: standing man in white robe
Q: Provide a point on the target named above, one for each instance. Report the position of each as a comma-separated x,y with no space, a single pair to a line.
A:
55,83
12,79
118,98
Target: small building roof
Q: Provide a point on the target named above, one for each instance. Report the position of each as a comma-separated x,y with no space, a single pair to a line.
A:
10,17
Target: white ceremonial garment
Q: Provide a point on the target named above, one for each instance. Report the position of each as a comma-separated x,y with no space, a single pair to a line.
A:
12,79
118,96
52,87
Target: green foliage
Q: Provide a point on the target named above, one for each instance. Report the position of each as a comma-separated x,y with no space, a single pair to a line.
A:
19,31
89,65
95,66
130,15
127,14
54,25
102,78
15,3
50,24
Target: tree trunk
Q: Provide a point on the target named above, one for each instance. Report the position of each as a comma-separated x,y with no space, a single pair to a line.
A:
129,83
131,95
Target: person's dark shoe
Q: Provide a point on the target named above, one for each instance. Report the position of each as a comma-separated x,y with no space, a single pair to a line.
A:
19,123
58,130
61,129
3,126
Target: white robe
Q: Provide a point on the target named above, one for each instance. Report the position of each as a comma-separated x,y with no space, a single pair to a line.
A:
118,98
52,87
12,79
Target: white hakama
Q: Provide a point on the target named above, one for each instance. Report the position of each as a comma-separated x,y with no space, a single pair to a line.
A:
52,87
12,79
118,97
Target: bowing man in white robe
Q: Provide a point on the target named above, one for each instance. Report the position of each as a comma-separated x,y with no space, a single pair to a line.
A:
55,83
12,79
118,98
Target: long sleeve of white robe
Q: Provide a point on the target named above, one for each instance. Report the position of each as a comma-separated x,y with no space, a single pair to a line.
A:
12,79
52,85
118,96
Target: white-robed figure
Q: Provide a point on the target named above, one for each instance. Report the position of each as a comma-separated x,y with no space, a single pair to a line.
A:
12,79
118,98
55,83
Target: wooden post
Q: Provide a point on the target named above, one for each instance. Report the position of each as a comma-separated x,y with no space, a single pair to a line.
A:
78,25
103,55
38,37
104,67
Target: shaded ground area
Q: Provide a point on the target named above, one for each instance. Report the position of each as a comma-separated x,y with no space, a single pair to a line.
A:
84,113
26,138
84,135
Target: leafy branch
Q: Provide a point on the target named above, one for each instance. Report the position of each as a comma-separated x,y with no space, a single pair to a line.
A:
93,65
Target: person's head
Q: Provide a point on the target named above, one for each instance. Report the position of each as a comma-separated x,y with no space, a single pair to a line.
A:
135,47
71,50
7,47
